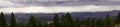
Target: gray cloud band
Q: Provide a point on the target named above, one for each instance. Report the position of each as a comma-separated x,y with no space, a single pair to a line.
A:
65,2
26,3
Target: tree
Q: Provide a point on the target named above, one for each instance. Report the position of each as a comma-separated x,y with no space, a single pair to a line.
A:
93,22
108,22
117,20
56,21
48,25
77,22
39,24
83,23
13,20
87,22
68,20
63,21
3,22
21,24
99,23
32,22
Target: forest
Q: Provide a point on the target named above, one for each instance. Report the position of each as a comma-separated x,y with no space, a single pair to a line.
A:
64,21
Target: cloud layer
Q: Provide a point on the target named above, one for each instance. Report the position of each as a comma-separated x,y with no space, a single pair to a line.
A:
56,6
25,3
57,9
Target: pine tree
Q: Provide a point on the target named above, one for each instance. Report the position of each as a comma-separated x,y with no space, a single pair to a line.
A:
93,22
32,22
3,22
13,20
63,21
117,20
99,23
56,21
77,23
39,24
87,22
83,23
108,22
68,20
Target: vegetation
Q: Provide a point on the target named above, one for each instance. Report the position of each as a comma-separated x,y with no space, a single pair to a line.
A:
13,20
64,21
3,22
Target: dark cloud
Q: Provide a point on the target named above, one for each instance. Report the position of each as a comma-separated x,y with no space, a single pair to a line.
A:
26,3
64,2
48,1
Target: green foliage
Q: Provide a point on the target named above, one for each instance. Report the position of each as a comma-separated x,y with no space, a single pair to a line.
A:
13,20
117,20
3,22
108,22
99,23
39,24
56,21
65,21
87,22
32,22
48,25
77,23
93,22
21,24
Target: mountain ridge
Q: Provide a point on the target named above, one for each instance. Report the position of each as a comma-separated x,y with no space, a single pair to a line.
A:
81,15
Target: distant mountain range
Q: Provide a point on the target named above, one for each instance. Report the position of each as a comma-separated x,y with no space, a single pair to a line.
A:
81,15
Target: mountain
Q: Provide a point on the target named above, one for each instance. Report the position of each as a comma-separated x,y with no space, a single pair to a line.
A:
81,15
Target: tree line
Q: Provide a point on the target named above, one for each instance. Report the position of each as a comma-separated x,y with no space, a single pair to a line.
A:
64,21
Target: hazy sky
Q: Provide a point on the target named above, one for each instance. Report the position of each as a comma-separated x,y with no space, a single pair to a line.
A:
55,6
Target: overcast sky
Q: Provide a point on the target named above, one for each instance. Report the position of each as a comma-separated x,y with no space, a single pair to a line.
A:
56,6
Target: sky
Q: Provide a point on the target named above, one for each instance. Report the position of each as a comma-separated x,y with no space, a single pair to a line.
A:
56,6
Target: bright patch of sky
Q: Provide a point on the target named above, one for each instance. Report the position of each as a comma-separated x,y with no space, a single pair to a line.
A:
57,9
